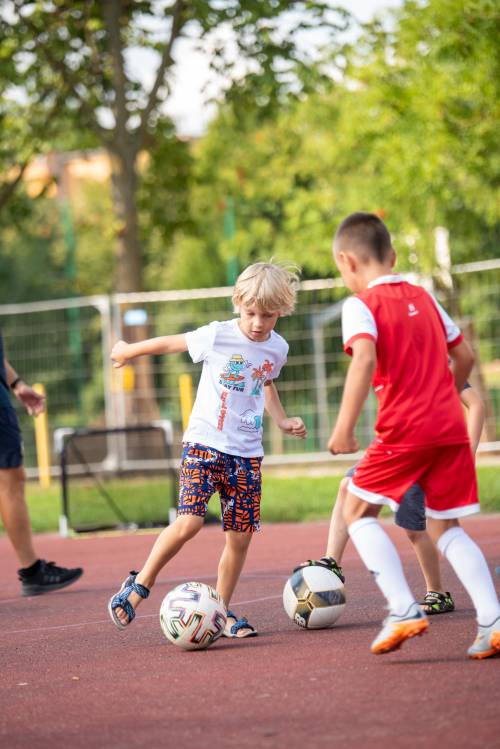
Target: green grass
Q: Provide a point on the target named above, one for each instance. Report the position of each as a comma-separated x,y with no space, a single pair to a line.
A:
284,500
304,498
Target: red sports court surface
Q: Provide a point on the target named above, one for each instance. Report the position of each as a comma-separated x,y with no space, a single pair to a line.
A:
70,679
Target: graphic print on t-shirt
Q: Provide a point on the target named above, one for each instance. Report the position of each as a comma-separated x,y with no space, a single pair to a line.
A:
222,411
226,416
250,421
260,375
231,377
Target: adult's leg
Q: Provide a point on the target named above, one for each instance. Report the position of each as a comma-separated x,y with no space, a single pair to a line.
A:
169,542
338,535
15,516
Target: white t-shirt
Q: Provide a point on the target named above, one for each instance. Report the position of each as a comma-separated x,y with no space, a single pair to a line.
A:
229,406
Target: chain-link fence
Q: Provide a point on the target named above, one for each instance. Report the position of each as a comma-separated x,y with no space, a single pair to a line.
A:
65,344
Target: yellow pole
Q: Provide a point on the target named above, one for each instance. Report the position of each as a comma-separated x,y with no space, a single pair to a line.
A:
42,443
186,394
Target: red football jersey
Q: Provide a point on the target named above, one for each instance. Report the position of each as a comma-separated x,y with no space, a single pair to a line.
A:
418,402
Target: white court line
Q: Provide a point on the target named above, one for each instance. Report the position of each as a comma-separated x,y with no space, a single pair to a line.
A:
168,581
106,621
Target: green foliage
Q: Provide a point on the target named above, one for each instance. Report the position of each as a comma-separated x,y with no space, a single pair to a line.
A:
410,130
31,263
409,127
70,64
430,89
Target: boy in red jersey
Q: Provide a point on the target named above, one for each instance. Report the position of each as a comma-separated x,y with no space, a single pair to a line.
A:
410,516
400,339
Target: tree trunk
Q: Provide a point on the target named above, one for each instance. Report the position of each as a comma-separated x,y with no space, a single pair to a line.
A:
141,405
128,250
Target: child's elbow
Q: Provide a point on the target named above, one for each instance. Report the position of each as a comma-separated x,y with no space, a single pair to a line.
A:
366,361
364,355
465,353
471,359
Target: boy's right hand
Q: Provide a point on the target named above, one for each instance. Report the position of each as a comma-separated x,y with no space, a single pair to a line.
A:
294,426
120,354
340,443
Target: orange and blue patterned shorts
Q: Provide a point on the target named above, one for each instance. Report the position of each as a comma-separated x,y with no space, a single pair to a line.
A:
205,470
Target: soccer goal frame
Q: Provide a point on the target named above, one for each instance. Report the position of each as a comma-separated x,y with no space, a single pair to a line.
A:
65,439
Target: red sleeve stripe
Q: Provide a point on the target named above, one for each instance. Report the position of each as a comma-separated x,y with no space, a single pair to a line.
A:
455,341
348,344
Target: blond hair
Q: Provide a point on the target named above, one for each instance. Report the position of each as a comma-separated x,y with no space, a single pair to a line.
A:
271,286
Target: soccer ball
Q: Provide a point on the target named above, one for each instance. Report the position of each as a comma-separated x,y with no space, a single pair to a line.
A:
314,597
193,616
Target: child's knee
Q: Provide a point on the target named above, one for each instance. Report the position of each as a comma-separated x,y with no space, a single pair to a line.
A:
342,493
238,541
436,527
187,526
414,536
355,508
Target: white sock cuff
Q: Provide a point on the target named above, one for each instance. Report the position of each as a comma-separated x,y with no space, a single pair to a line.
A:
360,524
448,536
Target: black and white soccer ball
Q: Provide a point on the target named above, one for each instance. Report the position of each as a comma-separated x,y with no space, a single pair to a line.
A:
314,597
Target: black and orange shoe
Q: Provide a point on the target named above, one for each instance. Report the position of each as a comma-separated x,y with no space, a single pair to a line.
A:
487,642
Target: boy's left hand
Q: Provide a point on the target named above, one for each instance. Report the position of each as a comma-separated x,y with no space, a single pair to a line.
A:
294,426
342,443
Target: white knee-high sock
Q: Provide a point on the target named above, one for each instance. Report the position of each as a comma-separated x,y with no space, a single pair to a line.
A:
471,568
380,556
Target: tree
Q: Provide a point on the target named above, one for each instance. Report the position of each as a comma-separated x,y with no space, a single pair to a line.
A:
80,50
429,88
410,130
85,46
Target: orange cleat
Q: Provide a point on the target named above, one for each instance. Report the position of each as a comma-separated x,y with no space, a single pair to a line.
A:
397,629
487,642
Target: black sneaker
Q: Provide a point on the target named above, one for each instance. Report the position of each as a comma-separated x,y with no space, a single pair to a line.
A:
437,603
328,562
331,564
44,577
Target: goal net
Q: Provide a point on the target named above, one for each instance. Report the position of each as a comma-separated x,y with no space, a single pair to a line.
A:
116,478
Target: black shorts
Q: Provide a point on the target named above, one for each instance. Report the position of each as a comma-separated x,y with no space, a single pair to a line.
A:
11,443
410,514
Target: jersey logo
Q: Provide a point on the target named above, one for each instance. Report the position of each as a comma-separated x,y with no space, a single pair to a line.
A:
412,310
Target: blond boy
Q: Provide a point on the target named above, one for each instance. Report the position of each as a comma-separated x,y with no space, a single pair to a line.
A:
222,445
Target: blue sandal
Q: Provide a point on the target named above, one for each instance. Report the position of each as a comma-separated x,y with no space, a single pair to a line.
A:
120,600
238,626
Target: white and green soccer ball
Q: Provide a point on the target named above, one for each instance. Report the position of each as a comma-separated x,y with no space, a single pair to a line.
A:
193,616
